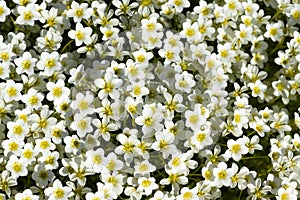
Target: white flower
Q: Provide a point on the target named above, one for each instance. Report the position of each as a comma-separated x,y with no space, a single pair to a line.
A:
222,175
115,180
197,117
42,176
44,146
4,11
95,160
150,26
73,144
144,168
49,62
134,71
81,34
33,99
84,103
179,5
17,167
109,32
58,191
252,144
150,120
138,89
29,153
12,146
258,89
286,193
57,91
104,127
13,91
190,31
26,195
164,144
274,31
17,129
108,85
236,149
187,194
201,138
259,126
82,125
27,14
225,52
25,63
147,185
184,82
128,146
142,57
79,12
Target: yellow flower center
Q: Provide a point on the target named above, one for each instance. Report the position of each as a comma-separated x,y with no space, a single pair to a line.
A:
201,137
18,130
97,159
57,91
83,105
146,183
44,144
43,123
56,132
59,193
11,91
33,100
194,119
27,15
190,32
4,56
13,146
78,12
75,143
236,148
26,64
273,31
50,63
27,154
178,2
148,121
222,174
141,58
17,167
82,124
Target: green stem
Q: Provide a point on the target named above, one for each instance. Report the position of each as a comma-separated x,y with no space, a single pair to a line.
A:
255,157
278,12
68,44
240,195
278,46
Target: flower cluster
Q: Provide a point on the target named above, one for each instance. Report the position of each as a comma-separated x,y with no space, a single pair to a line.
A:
149,99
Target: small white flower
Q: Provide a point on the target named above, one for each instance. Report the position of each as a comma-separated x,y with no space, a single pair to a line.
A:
147,185
4,11
27,15
25,63
184,82
57,91
26,195
82,125
222,175
17,167
58,191
79,11
49,62
236,149
13,91
81,34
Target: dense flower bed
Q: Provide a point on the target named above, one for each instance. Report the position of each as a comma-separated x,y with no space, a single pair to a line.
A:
149,99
